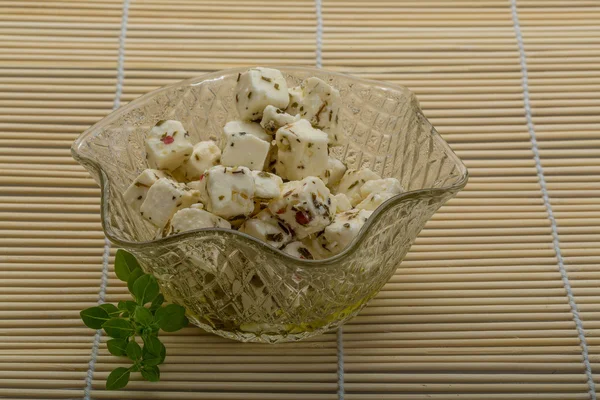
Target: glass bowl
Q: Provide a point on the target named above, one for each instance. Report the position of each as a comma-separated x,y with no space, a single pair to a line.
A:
236,286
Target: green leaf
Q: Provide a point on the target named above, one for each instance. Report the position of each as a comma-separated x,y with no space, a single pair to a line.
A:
171,318
134,351
157,302
151,373
94,317
117,379
127,305
135,274
125,264
118,328
145,289
154,351
117,347
111,309
143,316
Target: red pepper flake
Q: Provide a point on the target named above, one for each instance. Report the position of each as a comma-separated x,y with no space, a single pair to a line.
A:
281,211
201,177
303,218
167,139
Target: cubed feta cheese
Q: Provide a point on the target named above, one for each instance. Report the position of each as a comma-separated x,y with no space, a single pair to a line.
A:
352,182
334,172
194,218
268,228
243,146
252,128
136,192
386,185
168,145
299,250
377,191
306,206
314,243
343,230
319,103
266,185
342,203
274,118
302,151
164,198
204,156
374,200
258,88
230,191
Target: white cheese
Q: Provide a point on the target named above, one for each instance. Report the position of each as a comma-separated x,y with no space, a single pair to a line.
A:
301,151
352,182
164,198
374,200
306,206
137,191
333,173
319,103
258,88
266,227
243,146
299,250
274,118
195,218
167,145
230,191
204,156
387,185
342,203
266,185
343,230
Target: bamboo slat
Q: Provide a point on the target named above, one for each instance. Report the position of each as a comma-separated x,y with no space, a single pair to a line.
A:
478,308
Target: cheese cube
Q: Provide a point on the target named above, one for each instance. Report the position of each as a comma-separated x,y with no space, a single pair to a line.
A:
252,128
319,103
230,191
315,244
352,182
344,229
387,185
334,172
243,147
194,218
274,118
342,203
204,155
266,185
268,228
258,88
137,191
377,191
374,200
168,145
301,151
299,250
200,186
306,206
164,198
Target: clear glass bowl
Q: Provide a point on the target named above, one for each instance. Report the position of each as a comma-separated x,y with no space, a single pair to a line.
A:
237,286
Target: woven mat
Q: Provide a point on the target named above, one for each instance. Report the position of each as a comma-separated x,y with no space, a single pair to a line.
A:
498,298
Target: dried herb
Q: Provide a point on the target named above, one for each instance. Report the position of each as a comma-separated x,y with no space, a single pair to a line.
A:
274,237
276,86
238,77
353,185
266,79
305,253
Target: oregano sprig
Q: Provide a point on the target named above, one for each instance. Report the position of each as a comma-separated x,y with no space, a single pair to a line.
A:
141,317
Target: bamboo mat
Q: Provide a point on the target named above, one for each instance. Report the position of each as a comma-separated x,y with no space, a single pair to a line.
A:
478,310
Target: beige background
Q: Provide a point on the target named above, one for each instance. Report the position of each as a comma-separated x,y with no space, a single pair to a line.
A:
478,309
